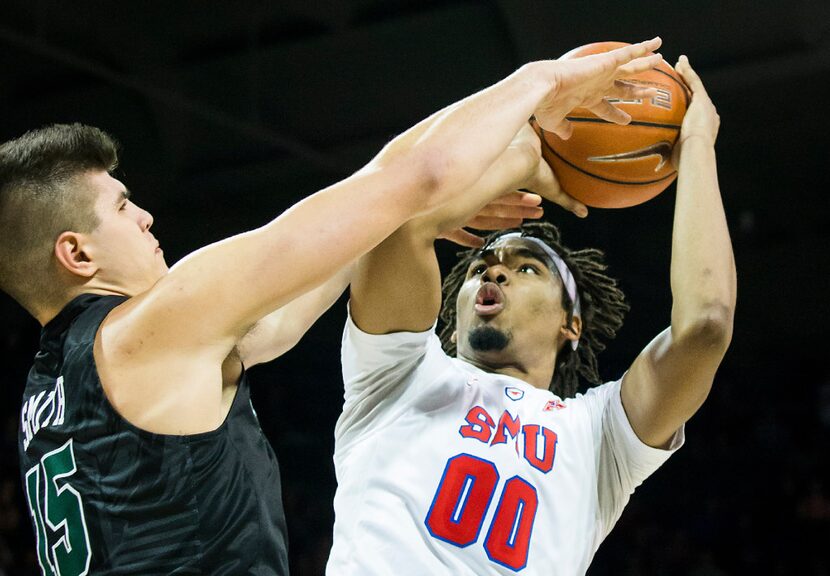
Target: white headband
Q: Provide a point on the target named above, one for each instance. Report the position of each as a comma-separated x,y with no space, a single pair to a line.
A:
561,268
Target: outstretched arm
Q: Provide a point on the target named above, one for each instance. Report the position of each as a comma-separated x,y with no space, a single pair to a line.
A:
671,378
215,295
281,330
185,326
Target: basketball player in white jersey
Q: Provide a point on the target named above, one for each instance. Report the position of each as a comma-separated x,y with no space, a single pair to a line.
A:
471,464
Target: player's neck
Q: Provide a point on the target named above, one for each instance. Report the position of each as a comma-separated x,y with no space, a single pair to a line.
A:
535,374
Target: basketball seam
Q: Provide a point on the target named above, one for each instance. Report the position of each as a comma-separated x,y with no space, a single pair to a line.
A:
632,123
679,83
598,177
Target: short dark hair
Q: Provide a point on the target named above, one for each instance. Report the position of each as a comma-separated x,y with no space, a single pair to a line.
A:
40,199
602,302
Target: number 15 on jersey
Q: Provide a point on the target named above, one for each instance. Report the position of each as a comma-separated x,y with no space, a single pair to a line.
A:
55,504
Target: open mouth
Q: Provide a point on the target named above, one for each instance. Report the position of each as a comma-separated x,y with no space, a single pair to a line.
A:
489,300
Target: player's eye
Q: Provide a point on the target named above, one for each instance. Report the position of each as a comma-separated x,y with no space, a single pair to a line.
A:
477,269
528,269
123,206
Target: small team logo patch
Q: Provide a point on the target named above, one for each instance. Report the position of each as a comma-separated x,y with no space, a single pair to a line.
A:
514,393
553,405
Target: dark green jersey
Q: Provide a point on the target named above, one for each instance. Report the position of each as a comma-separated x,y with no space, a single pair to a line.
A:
108,498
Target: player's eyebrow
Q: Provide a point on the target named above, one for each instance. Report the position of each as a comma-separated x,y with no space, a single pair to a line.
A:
528,253
125,195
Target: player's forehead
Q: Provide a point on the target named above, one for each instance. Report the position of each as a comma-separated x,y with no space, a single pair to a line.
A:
104,187
507,247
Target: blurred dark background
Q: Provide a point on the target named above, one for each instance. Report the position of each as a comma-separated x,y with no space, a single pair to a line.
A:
229,112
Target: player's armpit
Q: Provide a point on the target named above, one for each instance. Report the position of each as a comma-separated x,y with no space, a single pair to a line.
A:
280,331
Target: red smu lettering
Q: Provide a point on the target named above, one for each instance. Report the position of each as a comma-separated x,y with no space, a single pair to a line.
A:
509,424
531,433
479,425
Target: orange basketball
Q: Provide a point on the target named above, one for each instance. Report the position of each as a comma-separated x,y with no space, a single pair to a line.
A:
610,166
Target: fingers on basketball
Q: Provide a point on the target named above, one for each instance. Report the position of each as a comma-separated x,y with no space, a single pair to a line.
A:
569,203
546,183
639,65
630,54
625,90
610,113
689,75
563,129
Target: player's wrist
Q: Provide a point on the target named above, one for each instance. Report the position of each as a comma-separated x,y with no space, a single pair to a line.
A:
699,138
540,76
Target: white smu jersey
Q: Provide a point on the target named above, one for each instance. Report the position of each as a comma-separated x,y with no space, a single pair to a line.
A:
443,468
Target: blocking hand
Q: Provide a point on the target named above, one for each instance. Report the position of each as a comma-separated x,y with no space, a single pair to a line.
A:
589,80
509,211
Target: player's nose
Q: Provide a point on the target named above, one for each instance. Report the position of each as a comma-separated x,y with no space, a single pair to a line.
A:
145,220
496,273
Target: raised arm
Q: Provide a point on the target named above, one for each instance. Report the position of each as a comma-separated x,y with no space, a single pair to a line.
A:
671,378
196,315
397,286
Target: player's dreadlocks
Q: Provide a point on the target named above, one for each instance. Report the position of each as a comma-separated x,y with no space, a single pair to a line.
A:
603,306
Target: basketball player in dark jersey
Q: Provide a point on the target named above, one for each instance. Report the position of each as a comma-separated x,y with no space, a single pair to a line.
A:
140,450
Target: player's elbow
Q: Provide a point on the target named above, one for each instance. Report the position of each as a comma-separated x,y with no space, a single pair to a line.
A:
709,329
418,180
436,177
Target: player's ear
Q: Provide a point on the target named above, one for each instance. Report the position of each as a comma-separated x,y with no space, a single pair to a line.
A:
72,256
454,337
571,331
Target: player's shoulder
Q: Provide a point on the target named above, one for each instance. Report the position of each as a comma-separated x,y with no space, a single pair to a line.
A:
405,351
122,323
134,333
596,399
599,392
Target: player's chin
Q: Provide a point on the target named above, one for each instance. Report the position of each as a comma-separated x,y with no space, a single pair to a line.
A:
484,339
